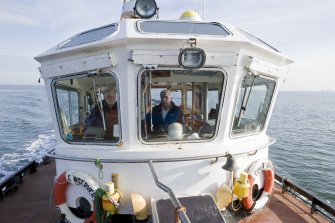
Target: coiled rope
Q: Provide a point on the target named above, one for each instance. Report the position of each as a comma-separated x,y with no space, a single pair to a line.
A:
101,216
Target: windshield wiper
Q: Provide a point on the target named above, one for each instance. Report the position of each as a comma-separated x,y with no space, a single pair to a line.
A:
245,99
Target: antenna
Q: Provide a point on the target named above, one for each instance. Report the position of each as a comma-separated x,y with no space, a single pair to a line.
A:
203,10
199,7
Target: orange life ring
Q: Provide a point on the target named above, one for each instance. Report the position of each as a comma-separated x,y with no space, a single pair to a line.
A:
264,167
61,184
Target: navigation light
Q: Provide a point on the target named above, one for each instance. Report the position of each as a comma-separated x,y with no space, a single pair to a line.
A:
192,58
145,8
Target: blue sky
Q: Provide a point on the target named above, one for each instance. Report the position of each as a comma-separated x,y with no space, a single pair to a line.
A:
304,30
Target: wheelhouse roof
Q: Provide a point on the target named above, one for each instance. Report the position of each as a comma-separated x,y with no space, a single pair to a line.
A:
132,30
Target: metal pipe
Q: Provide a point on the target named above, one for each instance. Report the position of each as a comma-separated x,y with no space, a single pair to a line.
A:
182,214
145,106
150,85
52,154
244,102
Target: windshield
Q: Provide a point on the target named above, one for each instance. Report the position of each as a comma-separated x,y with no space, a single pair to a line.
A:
179,105
254,100
86,107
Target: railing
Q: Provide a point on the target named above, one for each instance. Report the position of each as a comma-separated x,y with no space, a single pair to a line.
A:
316,204
175,202
12,182
215,157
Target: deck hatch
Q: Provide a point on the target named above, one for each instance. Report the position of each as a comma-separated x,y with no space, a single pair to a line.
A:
199,209
177,27
89,36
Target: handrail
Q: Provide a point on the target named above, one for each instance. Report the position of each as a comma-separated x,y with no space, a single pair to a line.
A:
288,186
52,154
175,202
215,156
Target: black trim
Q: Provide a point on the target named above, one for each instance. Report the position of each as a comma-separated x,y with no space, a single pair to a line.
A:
12,182
293,188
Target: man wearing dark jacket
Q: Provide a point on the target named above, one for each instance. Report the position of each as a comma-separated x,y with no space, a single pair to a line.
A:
164,114
109,105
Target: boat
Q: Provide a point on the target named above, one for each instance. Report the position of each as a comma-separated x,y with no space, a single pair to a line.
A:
162,121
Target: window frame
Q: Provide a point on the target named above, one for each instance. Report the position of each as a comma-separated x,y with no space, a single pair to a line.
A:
57,109
70,90
67,43
251,133
217,124
140,30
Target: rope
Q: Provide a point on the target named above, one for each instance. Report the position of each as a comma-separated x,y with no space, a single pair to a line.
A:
176,213
100,167
117,204
100,215
239,205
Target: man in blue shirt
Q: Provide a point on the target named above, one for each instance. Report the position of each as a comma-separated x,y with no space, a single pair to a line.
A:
164,114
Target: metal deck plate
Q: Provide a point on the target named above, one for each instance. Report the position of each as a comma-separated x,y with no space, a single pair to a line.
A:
199,209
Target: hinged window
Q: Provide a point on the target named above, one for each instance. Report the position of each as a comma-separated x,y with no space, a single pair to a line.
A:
254,100
87,108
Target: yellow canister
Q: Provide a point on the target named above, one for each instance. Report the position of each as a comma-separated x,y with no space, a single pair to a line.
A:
109,202
242,186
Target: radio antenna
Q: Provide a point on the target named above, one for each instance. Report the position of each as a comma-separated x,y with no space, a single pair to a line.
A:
203,9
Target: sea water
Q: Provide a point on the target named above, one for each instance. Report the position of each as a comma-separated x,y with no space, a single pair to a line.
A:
26,131
303,124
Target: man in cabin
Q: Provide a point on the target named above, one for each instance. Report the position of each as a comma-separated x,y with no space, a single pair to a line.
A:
164,114
109,110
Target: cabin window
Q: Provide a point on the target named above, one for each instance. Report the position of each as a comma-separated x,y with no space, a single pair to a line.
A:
69,100
87,108
185,28
254,100
189,99
90,36
179,105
